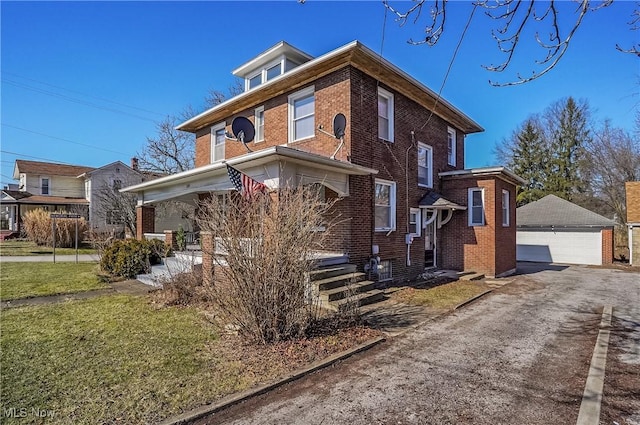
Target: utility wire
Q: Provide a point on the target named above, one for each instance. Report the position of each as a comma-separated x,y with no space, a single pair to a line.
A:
453,58
73,99
62,139
83,94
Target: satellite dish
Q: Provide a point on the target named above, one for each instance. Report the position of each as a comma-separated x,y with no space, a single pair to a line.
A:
243,129
339,125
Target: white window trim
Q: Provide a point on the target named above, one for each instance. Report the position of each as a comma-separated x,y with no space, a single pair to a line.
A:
292,98
48,186
429,165
392,205
454,152
215,128
470,206
255,120
506,208
418,214
262,72
389,96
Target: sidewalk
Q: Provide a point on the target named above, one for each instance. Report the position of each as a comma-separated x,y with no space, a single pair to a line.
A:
49,258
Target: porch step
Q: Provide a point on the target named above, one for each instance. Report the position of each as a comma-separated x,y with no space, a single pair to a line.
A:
331,271
170,267
337,281
363,298
470,276
341,292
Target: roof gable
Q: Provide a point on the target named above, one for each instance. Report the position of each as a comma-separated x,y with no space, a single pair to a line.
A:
552,211
48,169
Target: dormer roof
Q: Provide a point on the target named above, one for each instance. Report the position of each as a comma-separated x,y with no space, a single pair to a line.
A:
273,53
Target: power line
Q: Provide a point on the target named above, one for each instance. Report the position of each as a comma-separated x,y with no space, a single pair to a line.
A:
84,94
62,139
72,99
35,157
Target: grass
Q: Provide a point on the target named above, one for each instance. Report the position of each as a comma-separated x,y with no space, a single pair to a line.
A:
442,297
24,280
22,248
121,359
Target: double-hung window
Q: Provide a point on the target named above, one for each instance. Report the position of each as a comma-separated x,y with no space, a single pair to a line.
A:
476,206
385,114
505,208
415,222
451,146
425,165
259,123
302,114
217,142
385,205
44,185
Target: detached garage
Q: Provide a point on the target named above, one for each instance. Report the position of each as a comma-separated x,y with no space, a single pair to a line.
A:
553,230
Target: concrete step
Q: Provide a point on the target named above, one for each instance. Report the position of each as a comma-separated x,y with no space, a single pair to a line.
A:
323,260
344,291
363,298
337,281
331,271
470,276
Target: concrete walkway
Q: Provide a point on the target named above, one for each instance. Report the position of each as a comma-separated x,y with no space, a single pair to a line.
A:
49,258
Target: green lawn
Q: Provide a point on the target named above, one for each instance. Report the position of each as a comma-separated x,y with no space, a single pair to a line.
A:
442,297
22,280
122,359
22,248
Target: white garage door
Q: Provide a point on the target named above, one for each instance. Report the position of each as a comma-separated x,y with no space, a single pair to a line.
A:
559,246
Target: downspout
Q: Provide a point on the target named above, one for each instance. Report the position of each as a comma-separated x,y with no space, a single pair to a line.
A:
406,195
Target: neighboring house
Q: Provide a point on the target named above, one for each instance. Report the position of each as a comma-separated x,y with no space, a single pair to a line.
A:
554,230
398,172
632,190
77,189
52,187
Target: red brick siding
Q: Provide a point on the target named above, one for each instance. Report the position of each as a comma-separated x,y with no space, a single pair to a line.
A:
607,246
145,221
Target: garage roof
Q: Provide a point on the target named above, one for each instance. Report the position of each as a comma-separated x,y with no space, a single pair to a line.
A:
552,211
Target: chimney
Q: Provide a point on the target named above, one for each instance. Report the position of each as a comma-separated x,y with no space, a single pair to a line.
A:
134,163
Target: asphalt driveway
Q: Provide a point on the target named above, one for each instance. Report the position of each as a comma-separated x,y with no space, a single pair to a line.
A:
519,355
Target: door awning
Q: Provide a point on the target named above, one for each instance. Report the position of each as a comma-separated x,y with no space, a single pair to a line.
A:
435,201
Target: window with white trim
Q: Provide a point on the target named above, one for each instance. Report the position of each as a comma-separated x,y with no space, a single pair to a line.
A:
476,206
116,184
385,205
259,124
385,270
451,146
415,222
302,114
505,209
217,142
425,165
264,74
385,114
44,185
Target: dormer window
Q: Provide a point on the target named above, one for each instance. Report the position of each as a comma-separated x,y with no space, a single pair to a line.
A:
263,75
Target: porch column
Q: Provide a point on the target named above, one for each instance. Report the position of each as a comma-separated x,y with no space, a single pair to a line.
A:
171,239
208,246
145,221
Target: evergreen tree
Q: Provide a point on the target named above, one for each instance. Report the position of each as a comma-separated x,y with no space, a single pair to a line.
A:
528,161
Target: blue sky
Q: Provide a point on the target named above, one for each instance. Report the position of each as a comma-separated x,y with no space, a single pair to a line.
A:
83,83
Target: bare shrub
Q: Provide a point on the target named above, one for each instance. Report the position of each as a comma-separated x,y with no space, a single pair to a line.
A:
264,251
183,288
38,227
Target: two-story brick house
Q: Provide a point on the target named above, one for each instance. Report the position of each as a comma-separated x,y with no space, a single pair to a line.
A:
398,171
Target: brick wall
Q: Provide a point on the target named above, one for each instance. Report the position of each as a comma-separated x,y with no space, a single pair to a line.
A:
607,246
145,221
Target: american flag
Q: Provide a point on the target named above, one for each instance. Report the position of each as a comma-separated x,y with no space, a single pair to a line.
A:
245,184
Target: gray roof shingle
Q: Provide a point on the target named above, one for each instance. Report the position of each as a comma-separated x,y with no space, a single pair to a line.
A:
557,212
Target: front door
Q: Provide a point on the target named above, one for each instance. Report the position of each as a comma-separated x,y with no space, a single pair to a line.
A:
430,245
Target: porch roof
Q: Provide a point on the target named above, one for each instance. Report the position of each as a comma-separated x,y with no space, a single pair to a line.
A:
434,200
201,179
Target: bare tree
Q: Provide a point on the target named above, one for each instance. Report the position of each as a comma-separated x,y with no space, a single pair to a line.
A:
511,17
215,97
264,251
115,208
